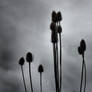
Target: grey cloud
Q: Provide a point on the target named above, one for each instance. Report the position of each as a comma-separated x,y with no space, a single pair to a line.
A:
25,27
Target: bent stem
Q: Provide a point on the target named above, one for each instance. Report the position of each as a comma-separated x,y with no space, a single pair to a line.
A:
23,79
30,77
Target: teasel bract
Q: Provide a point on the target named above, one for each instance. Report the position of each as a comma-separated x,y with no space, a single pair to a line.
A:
29,59
21,63
81,51
40,70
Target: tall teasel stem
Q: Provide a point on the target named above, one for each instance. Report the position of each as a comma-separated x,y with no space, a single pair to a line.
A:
81,77
29,59
84,72
55,29
55,65
40,70
30,77
59,30
60,62
21,63
23,79
81,50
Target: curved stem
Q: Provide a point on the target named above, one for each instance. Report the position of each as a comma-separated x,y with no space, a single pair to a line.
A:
30,77
23,79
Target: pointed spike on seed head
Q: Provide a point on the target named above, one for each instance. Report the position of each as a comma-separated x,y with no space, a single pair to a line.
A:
40,68
59,29
29,57
59,16
53,26
21,61
83,44
54,16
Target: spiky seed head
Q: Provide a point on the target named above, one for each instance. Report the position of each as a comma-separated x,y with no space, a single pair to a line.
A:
54,16
40,68
59,29
59,16
29,57
80,50
53,26
83,44
21,61
54,37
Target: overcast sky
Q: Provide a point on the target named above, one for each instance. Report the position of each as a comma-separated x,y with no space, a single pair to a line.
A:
24,26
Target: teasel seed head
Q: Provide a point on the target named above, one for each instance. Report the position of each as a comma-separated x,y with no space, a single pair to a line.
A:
21,61
29,57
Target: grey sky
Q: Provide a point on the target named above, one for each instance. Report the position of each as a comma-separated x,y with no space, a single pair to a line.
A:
24,26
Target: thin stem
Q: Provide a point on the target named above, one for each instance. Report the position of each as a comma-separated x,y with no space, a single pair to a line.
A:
81,78
85,73
60,62
23,79
30,77
55,72
57,67
40,82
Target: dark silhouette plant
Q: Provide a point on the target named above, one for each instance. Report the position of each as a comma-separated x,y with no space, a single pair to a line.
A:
81,51
59,30
55,30
29,59
21,63
40,70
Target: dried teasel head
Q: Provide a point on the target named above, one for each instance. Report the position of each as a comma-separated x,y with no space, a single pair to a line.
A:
21,61
29,57
40,68
54,16
83,44
59,16
59,29
80,50
53,26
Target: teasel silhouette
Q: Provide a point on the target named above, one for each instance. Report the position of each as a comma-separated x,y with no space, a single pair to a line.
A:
59,30
40,70
81,51
29,59
55,30
21,63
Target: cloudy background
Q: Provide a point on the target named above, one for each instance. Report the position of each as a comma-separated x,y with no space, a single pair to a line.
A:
24,26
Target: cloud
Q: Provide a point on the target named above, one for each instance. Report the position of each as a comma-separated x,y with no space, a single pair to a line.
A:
25,27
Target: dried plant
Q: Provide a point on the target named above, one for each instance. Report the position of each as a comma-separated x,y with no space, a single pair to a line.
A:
21,63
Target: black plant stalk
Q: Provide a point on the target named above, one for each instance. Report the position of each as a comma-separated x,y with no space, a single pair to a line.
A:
60,62
55,68
30,77
23,79
85,72
81,77
40,82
